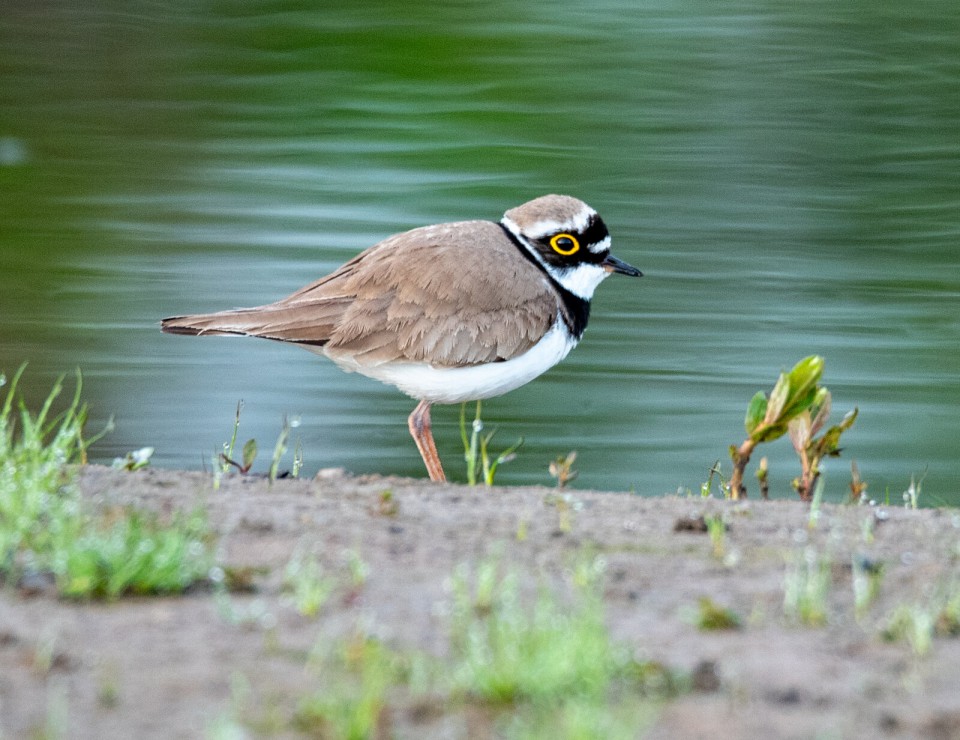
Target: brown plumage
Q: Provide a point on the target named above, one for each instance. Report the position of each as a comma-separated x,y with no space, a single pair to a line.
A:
448,295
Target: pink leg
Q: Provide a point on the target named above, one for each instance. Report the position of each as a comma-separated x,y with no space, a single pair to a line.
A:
422,433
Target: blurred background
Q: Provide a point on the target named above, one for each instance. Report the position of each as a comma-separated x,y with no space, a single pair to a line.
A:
787,175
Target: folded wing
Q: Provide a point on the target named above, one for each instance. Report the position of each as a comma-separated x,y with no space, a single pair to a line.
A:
446,295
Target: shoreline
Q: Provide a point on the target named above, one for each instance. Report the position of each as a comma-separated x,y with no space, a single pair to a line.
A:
173,660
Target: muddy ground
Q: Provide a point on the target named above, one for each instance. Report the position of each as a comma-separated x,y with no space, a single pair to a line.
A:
171,667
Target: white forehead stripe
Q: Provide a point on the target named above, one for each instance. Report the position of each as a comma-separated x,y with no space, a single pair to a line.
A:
601,246
576,224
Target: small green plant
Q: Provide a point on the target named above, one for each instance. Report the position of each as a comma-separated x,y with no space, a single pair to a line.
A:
717,529
763,478
135,553
248,453
523,527
948,619
806,586
476,449
354,701
387,504
307,584
858,486
711,616
919,623
247,457
562,469
799,406
767,417
913,623
812,449
545,653
358,568
707,486
47,528
279,448
911,497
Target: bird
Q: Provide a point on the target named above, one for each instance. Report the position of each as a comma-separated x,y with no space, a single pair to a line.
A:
446,313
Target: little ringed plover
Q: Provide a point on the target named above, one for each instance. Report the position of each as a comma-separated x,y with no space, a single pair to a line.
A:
447,313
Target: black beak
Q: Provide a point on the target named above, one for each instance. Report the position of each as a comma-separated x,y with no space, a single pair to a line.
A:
612,264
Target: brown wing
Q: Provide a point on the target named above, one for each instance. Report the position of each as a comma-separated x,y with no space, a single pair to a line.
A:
453,294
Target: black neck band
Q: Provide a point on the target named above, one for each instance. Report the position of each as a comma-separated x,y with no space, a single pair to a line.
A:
576,310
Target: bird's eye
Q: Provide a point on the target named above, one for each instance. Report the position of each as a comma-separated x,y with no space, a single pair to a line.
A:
565,244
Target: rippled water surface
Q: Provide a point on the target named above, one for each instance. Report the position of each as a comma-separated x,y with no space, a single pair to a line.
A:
786,175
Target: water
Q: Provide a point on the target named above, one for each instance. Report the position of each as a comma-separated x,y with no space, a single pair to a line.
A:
787,176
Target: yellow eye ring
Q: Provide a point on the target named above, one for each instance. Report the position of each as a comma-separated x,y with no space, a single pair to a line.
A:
565,244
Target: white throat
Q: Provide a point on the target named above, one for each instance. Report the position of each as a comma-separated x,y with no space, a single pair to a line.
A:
581,280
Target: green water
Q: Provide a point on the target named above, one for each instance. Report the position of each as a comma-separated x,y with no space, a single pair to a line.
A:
787,175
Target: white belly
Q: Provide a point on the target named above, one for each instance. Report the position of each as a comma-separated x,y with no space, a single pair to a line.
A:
458,384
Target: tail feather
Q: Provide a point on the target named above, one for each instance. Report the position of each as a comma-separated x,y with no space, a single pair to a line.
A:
310,324
214,324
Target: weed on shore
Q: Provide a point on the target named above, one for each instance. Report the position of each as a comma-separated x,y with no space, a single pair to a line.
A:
51,538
